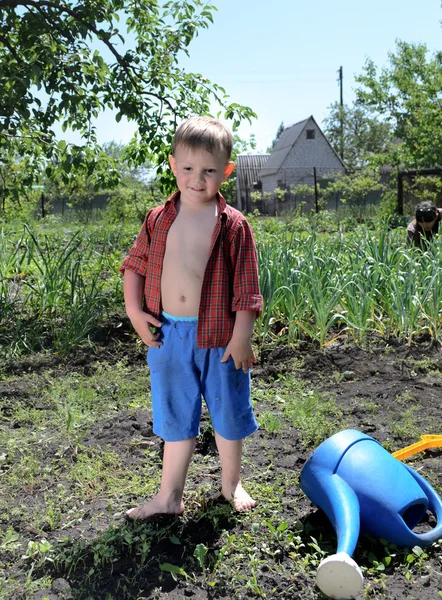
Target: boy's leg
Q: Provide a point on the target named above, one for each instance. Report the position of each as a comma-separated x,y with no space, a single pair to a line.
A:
176,461
227,394
230,453
176,407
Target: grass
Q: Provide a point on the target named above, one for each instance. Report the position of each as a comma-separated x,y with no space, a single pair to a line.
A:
53,479
65,488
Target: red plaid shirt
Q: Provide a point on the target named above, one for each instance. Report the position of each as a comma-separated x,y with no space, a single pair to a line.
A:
230,280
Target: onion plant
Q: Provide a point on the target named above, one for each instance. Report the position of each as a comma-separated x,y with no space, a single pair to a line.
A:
365,281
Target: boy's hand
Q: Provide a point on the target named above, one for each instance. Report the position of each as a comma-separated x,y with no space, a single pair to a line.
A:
142,323
240,349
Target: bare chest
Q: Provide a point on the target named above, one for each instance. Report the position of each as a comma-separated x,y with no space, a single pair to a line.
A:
189,242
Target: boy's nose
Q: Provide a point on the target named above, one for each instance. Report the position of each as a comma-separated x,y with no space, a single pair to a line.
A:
200,178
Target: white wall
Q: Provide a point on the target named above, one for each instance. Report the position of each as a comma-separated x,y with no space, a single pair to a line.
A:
303,156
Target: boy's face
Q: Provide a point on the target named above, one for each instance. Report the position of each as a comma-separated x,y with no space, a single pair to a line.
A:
199,174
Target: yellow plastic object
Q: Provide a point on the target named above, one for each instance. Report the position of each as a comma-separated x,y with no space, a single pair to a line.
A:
427,441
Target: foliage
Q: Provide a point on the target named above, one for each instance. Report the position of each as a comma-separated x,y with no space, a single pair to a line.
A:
321,278
55,288
135,193
303,191
130,175
427,189
355,186
408,95
131,204
65,62
17,197
361,136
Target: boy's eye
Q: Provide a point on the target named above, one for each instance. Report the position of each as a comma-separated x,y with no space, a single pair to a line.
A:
210,170
187,168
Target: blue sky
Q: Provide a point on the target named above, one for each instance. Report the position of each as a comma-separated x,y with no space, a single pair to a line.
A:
281,58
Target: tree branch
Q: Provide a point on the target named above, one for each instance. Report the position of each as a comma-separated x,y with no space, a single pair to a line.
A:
37,4
11,49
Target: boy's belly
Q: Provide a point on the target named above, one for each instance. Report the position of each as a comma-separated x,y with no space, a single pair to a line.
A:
180,291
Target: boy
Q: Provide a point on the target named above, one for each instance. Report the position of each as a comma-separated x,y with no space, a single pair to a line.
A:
194,265
425,224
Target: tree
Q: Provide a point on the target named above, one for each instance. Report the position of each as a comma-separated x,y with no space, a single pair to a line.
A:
129,174
126,200
354,187
66,61
278,135
408,94
364,136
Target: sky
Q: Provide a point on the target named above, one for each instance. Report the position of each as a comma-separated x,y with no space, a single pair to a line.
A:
282,58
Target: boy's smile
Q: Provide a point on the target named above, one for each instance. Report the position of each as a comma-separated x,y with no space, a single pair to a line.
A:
199,174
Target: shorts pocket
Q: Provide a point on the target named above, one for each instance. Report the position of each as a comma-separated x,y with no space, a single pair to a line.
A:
158,359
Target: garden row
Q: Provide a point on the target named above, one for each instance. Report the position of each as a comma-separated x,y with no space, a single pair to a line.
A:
58,287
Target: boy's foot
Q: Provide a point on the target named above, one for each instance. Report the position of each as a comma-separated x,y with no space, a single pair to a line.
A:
156,506
239,498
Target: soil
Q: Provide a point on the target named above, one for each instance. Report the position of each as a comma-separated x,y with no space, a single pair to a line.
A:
396,378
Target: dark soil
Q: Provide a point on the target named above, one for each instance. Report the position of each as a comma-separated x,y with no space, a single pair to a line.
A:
395,378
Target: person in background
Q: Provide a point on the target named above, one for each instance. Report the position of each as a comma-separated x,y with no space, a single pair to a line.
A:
425,225
192,294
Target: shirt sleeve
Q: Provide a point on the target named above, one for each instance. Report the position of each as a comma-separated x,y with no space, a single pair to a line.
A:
138,255
246,291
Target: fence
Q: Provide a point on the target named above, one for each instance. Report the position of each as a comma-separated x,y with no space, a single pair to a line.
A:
304,189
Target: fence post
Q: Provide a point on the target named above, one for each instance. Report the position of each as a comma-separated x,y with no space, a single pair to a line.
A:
316,190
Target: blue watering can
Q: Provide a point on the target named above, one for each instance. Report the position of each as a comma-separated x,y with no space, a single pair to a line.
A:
363,488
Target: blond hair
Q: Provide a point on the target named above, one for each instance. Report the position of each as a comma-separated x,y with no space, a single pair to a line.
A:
204,132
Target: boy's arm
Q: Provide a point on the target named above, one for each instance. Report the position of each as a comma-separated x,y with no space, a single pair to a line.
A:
134,269
133,299
240,346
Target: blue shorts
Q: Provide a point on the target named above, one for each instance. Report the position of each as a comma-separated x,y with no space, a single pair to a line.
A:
181,373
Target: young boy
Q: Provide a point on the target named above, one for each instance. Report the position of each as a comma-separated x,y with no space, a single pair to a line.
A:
192,274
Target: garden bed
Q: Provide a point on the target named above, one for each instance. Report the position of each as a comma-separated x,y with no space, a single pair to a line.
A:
79,451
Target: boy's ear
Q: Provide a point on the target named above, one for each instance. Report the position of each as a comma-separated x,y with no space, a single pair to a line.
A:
228,170
172,163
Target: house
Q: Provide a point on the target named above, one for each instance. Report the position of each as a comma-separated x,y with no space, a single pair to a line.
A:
301,148
248,167
301,155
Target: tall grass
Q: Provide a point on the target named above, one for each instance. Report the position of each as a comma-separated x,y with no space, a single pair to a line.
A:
63,292
11,258
57,286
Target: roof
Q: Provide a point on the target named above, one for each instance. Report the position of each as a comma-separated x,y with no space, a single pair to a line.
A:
285,143
283,146
248,167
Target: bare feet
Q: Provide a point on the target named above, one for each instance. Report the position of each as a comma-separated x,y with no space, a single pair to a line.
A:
239,498
158,505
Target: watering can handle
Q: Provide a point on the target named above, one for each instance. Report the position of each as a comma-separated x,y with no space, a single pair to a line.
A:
435,505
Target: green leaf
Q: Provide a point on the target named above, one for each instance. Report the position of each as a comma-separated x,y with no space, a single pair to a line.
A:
175,540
